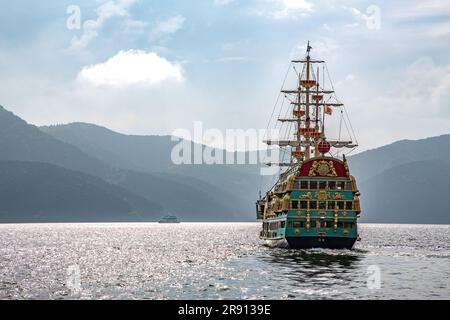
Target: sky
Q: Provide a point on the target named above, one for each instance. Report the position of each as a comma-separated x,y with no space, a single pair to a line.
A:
152,67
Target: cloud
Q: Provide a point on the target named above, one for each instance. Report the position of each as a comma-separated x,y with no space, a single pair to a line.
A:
106,11
132,67
422,9
371,18
436,30
323,48
292,7
411,103
167,27
223,2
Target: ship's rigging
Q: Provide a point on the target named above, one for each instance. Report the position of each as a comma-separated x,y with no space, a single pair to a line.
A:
307,112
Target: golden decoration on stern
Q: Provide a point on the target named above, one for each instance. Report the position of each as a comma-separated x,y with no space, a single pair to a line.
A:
322,168
322,196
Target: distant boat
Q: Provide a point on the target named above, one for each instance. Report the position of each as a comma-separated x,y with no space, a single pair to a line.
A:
169,219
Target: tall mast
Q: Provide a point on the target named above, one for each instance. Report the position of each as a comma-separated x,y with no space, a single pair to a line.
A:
310,98
307,114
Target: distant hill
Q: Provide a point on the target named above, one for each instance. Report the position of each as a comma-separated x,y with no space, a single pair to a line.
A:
41,192
416,192
404,182
374,169
190,198
22,141
140,153
370,163
153,154
235,185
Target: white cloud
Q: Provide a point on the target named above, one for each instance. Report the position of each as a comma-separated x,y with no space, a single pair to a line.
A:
290,7
132,67
436,30
327,28
279,9
323,48
350,77
407,102
232,59
106,11
167,27
419,9
223,2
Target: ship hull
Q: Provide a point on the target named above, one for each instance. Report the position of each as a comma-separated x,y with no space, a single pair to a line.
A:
311,243
320,242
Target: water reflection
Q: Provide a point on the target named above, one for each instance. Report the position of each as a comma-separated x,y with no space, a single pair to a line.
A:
315,267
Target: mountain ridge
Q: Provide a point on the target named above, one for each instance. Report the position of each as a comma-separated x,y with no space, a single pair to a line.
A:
141,165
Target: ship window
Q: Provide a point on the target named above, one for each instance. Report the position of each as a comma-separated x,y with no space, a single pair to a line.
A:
341,185
313,185
340,224
312,224
349,225
283,224
348,205
296,184
332,185
329,224
322,205
298,224
322,184
331,205
295,204
304,185
348,185
303,204
340,205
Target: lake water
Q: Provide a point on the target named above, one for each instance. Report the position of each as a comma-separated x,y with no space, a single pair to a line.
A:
217,261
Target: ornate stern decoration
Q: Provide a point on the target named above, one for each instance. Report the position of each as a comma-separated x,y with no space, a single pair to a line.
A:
323,168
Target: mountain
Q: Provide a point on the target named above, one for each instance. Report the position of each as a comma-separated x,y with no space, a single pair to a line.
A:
20,141
41,192
133,152
405,182
370,163
147,153
139,153
376,170
235,185
416,192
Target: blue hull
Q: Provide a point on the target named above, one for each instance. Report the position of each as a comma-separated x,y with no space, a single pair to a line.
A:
313,242
320,242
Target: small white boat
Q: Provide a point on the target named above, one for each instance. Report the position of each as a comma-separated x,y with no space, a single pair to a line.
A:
169,219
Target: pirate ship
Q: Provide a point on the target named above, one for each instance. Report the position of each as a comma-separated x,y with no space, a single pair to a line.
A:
315,200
